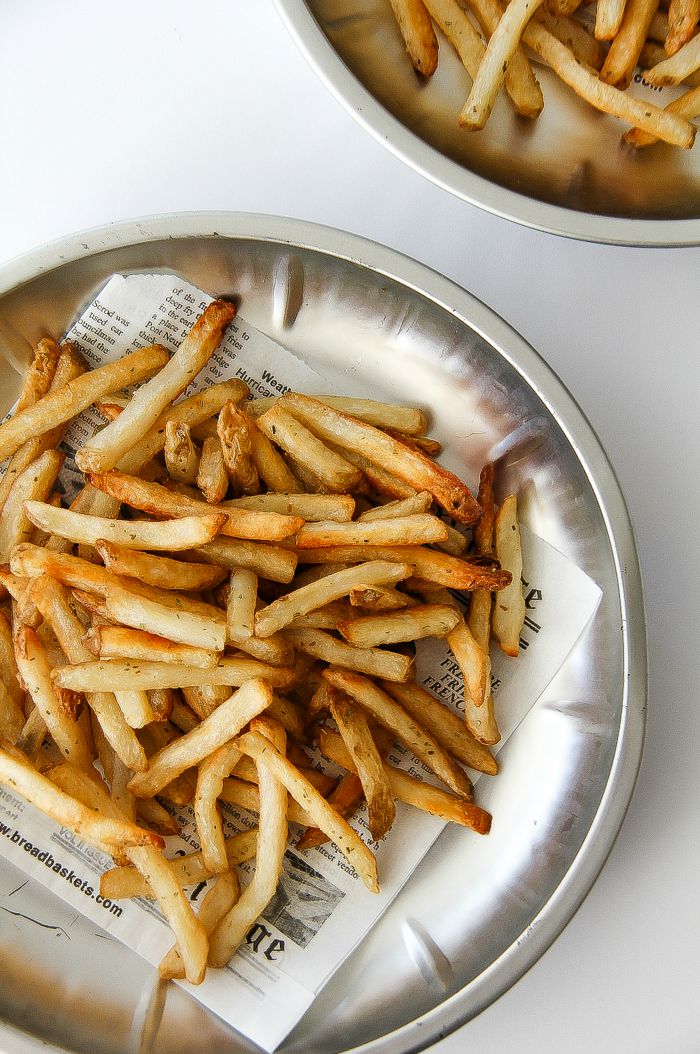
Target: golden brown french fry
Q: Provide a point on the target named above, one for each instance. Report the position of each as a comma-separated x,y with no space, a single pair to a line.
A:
242,599
652,54
413,506
272,842
11,715
422,620
122,882
281,612
509,605
271,466
414,792
210,777
184,627
212,477
575,36
226,721
500,49
675,69
244,794
180,453
268,561
36,481
345,799
393,717
410,466
136,707
192,940
409,419
235,431
379,598
640,113
337,507
8,666
418,34
687,105
58,407
608,18
159,570
101,831
326,617
159,501
101,675
217,901
391,665
105,449
304,448
683,18
39,373
119,642
183,533
366,760
440,568
35,671
377,480
448,727
625,48
404,530
324,816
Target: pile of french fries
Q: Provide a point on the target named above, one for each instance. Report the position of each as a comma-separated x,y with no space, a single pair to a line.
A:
237,583
493,38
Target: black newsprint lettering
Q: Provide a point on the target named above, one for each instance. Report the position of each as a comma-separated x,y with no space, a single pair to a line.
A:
262,942
531,624
532,597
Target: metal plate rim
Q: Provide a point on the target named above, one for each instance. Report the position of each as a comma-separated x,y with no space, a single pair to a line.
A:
458,180
585,867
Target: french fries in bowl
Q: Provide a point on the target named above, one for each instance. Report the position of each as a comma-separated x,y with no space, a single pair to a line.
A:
256,637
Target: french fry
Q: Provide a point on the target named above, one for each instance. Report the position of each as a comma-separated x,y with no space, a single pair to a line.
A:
11,715
337,507
674,69
106,833
375,662
244,794
625,48
687,105
440,568
185,533
574,35
366,760
302,445
409,419
326,617
350,844
378,478
608,18
218,900
180,453
242,599
414,792
39,373
235,431
379,598
121,883
105,449
281,612
210,777
136,707
499,51
272,469
683,18
413,506
192,940
58,407
448,727
404,530
119,642
101,675
272,842
159,501
184,627
9,674
226,721
418,34
642,114
345,798
36,481
509,606
409,465
35,671
212,478
268,561
423,620
161,571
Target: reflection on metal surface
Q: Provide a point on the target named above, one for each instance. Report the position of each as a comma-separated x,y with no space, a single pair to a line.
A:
488,907
567,171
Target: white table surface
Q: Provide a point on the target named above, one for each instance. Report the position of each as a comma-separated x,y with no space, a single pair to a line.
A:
619,325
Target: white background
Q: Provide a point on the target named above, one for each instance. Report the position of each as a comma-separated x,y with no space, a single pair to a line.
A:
619,325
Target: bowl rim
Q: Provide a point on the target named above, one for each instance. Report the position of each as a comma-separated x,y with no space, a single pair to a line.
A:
459,180
583,870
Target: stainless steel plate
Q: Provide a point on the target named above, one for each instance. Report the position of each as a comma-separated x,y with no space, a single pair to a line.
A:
478,912
567,172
